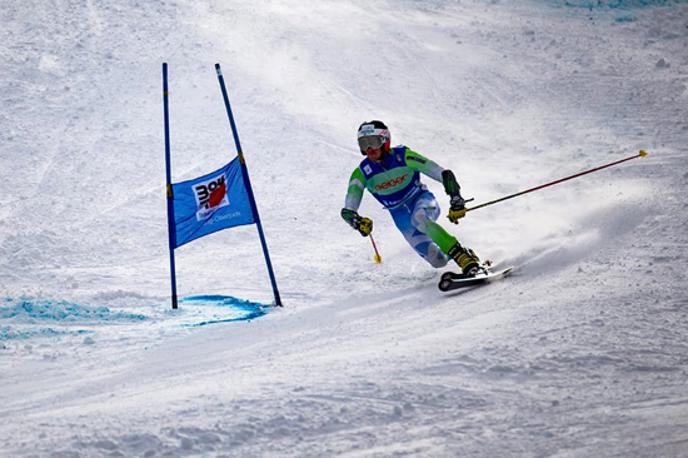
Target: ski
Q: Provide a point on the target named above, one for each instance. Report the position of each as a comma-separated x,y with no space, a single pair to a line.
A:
451,281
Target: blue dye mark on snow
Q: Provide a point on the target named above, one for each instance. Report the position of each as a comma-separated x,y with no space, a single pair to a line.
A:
33,310
614,4
227,309
24,318
15,333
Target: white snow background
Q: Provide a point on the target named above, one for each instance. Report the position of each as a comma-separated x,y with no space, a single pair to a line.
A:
582,352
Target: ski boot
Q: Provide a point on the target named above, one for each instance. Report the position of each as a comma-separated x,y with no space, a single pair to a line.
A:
466,258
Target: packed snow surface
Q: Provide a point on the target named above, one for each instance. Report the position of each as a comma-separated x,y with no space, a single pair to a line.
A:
581,352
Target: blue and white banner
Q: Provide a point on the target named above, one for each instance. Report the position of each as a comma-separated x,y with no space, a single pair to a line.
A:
216,201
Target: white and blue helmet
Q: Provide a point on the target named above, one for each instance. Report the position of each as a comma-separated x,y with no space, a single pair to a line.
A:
374,134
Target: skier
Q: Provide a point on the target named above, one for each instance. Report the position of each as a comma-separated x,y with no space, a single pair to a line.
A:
392,175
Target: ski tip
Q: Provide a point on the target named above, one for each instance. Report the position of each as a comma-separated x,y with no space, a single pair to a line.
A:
642,153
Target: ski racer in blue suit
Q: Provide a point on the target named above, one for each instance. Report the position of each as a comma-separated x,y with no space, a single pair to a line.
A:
392,176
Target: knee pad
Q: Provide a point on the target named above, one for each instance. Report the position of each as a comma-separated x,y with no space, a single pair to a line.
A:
435,256
422,214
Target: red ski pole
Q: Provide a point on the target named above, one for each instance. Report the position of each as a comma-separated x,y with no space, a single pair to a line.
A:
377,257
641,153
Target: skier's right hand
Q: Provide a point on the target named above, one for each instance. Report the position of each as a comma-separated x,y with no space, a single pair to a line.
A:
363,225
360,223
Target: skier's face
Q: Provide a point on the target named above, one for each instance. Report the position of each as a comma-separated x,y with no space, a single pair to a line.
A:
374,154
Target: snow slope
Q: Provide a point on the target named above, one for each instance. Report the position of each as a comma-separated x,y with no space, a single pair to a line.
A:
580,353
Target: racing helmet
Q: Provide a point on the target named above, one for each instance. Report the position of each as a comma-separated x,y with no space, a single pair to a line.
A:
374,134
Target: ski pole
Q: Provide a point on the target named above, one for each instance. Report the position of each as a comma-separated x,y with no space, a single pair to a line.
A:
641,153
377,257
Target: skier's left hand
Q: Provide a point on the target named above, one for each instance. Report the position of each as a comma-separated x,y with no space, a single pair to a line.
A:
457,209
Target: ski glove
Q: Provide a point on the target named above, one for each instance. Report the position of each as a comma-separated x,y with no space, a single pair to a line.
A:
457,205
362,224
457,209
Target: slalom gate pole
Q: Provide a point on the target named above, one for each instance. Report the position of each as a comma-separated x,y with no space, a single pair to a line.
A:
168,170
377,257
641,153
247,183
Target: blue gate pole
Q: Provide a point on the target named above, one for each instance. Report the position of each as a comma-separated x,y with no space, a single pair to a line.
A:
247,182
170,197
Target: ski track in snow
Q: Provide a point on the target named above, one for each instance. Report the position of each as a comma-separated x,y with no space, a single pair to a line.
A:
580,352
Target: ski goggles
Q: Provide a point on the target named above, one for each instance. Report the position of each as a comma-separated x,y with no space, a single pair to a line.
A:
370,141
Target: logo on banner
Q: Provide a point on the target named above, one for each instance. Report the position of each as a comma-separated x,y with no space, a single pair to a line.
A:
210,196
